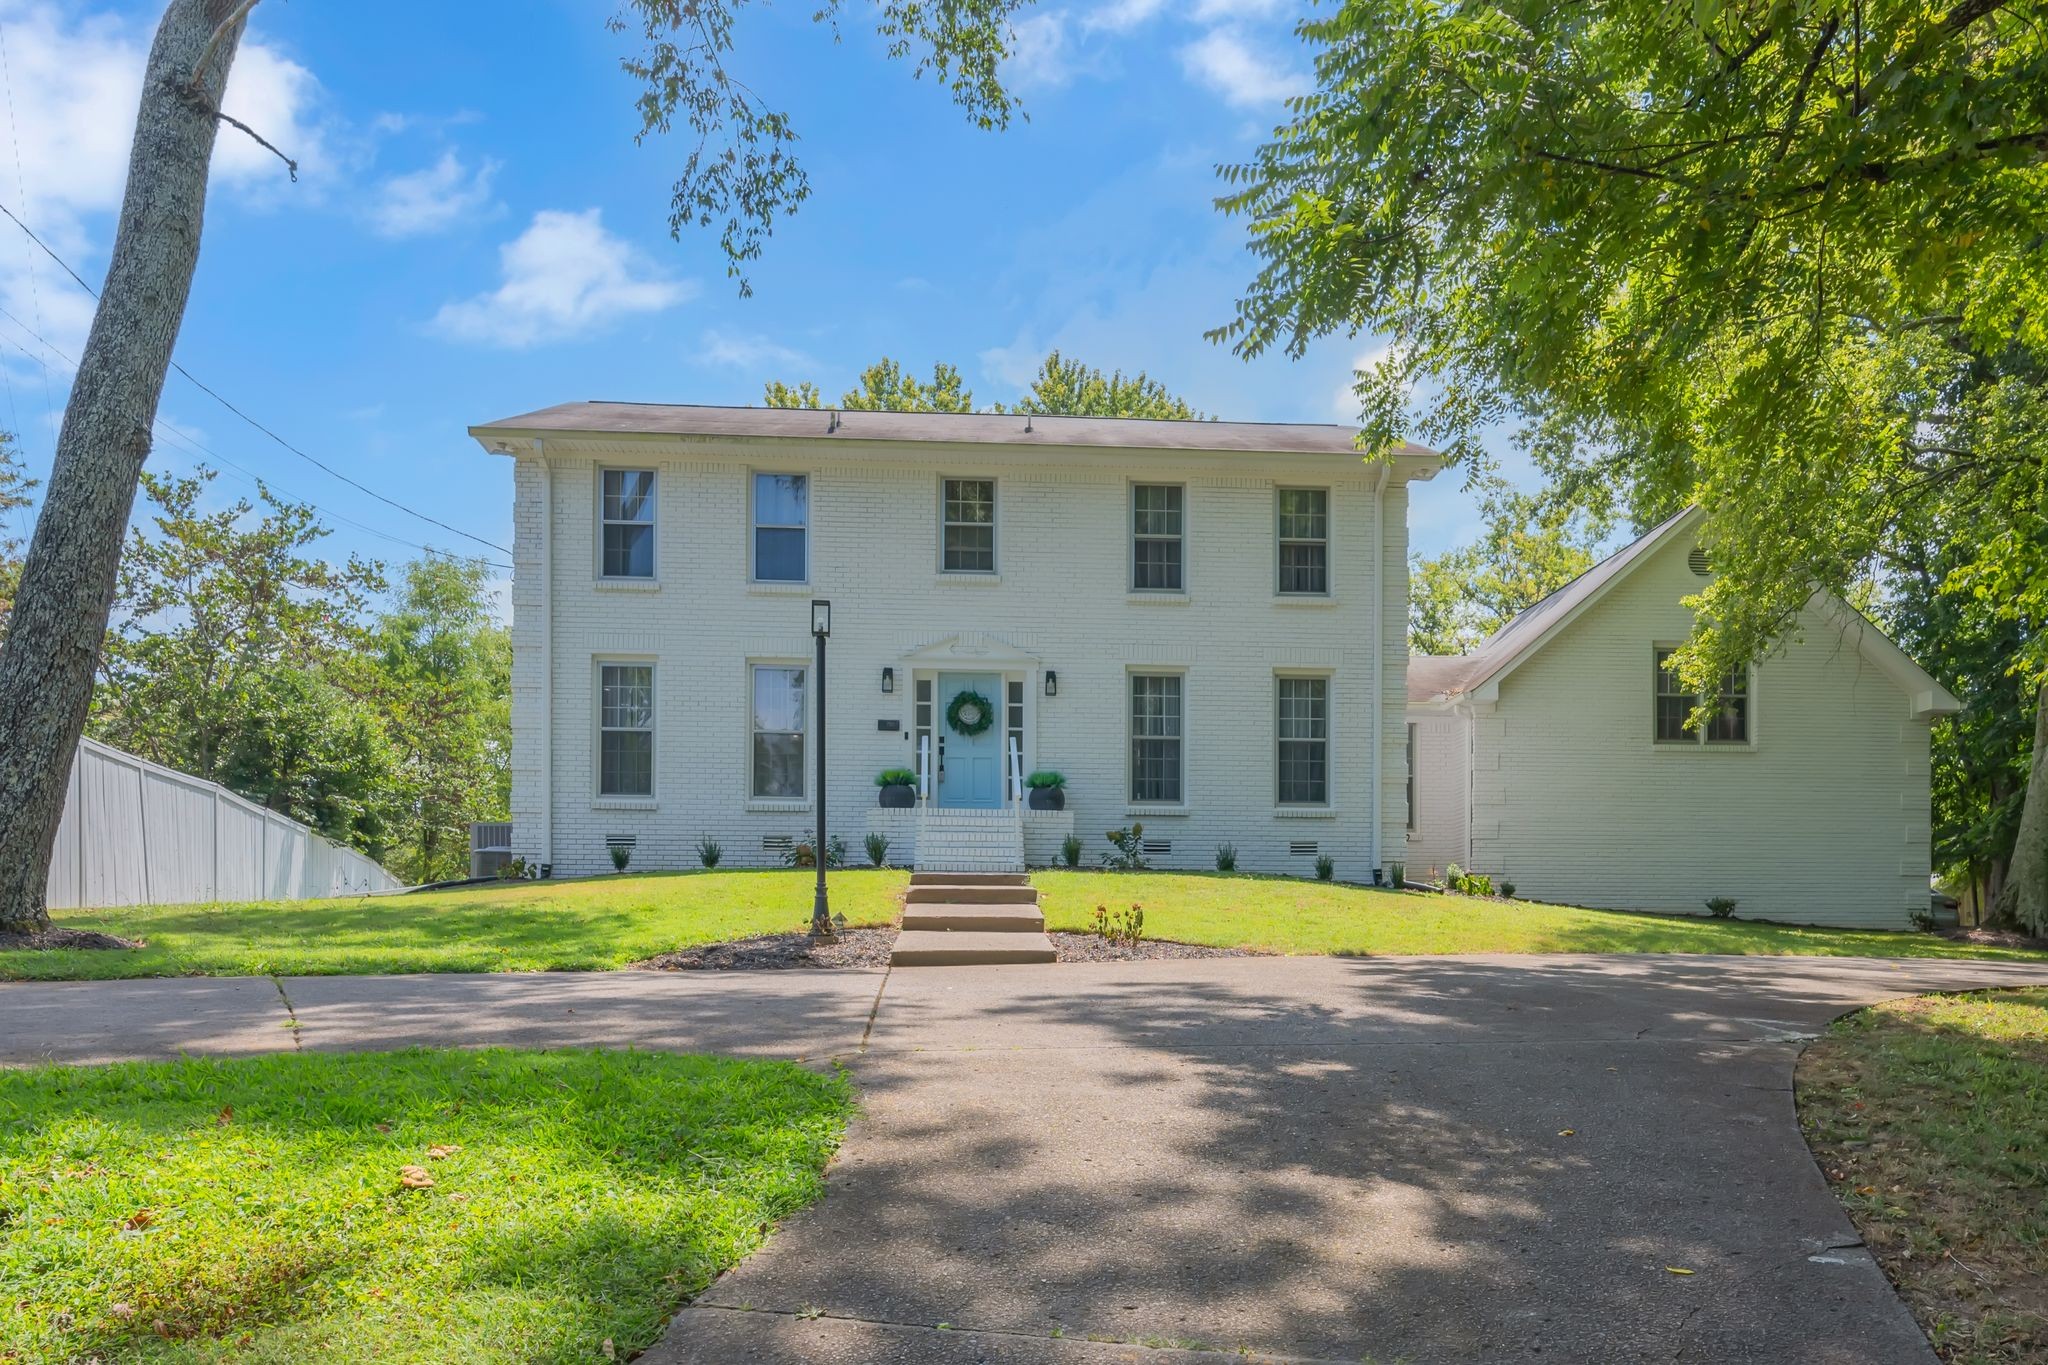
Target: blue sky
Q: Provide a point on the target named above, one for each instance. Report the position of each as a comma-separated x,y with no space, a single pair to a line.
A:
475,232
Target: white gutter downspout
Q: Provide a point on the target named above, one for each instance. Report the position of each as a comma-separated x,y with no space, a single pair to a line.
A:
1379,660
547,654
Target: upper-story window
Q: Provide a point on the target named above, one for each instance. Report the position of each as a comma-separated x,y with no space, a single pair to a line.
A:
1304,731
627,518
1158,534
968,525
1304,540
782,519
625,728
1675,705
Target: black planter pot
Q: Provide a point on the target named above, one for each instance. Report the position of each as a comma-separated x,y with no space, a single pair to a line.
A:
1047,798
898,798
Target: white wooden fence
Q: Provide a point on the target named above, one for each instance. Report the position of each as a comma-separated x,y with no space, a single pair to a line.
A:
137,833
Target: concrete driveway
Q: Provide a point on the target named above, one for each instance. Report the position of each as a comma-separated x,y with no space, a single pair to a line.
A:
1424,1159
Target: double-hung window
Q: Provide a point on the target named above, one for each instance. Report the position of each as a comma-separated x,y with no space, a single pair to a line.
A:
1675,705
1158,535
1304,533
1304,731
1156,737
968,525
625,725
778,732
782,519
627,530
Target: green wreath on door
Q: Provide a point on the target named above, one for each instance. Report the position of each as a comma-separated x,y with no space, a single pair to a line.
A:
970,714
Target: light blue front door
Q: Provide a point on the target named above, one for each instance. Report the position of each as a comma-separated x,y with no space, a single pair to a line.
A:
972,772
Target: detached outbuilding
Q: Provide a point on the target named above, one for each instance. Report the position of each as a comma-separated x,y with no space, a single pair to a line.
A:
1558,756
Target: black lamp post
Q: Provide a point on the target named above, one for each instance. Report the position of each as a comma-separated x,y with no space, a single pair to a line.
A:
821,911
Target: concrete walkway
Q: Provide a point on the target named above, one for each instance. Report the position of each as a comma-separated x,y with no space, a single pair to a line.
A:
1422,1159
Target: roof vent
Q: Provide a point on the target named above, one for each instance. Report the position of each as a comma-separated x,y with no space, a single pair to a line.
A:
1697,562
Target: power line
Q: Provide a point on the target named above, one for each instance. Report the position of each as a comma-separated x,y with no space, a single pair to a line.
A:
196,383
193,446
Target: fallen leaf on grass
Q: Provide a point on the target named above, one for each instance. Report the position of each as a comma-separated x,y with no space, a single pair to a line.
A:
227,1116
611,1352
414,1178
458,1197
140,1219
441,1151
381,1127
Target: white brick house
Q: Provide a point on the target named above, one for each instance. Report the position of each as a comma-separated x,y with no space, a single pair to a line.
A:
1201,624
1557,756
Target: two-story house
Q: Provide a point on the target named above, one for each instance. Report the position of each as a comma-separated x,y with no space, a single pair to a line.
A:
1202,625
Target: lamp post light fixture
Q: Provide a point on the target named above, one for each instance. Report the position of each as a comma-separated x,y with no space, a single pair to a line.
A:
821,910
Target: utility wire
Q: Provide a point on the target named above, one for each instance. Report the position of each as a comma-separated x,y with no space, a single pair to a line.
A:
196,383
200,451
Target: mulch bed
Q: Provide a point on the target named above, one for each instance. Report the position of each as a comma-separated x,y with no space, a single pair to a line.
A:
870,948
776,952
1997,938
65,938
1095,948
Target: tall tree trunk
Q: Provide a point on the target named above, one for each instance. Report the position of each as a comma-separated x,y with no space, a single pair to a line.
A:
2024,900
67,585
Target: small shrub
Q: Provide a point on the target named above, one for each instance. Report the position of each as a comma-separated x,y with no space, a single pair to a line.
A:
1070,850
1508,889
1226,857
1722,907
621,855
708,851
1467,883
895,777
1129,850
878,848
1125,927
1397,875
1924,921
1048,778
1326,867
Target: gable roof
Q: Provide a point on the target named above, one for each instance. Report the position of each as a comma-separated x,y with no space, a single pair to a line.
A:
976,428
1440,678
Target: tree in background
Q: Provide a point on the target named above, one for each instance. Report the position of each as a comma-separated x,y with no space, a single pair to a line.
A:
884,387
1532,546
1776,260
443,677
15,485
740,169
1062,386
232,656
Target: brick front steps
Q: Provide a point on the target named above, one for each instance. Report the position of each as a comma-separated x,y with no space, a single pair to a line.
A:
959,919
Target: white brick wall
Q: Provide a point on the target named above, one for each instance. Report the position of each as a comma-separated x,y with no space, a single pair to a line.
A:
1824,819
1063,547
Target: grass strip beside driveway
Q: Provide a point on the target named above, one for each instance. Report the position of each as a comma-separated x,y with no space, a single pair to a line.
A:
593,924
1288,915
410,1206
1929,1117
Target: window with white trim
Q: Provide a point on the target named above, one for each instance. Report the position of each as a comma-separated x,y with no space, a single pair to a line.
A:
968,525
1675,704
782,519
778,732
625,730
1157,772
1304,539
1158,536
1304,738
627,523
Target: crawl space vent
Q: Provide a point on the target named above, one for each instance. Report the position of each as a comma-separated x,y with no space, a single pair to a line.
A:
777,843
1302,848
620,840
1161,846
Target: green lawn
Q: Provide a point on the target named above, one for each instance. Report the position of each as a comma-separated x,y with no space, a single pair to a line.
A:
588,925
257,1210
1930,1119
1284,915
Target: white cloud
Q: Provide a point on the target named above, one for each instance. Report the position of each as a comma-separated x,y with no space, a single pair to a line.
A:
432,198
1015,364
277,97
1041,58
564,276
1121,16
749,352
1224,61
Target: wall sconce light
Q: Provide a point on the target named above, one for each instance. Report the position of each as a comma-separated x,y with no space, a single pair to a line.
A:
1052,683
888,680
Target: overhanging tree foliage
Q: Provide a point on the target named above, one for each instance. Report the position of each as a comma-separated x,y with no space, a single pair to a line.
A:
1771,258
1531,547
740,170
